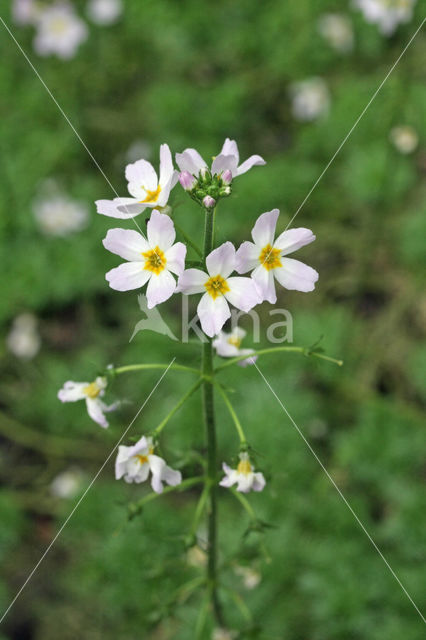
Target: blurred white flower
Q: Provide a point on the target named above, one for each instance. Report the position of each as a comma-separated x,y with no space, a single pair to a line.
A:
25,11
59,31
310,99
223,634
228,345
104,12
337,30
243,476
196,557
23,339
58,215
404,138
250,577
387,14
67,483
91,392
138,149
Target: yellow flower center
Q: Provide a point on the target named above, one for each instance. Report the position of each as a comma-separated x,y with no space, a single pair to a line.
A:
236,342
155,260
92,390
216,286
151,196
270,257
59,26
244,467
143,459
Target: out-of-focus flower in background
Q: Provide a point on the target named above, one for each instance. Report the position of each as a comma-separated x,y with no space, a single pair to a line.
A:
404,138
336,29
24,339
386,14
310,99
57,214
138,149
67,484
249,576
223,634
104,12
25,11
59,31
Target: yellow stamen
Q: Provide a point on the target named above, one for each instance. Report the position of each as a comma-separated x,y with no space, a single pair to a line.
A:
236,342
151,196
92,390
244,467
270,257
216,286
155,260
143,459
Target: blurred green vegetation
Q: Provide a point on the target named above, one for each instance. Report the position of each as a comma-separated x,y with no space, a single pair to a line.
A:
190,74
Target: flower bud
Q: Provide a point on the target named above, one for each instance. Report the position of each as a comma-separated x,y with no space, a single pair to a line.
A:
187,180
225,191
227,176
209,202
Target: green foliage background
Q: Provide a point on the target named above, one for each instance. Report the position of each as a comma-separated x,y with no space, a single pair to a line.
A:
190,74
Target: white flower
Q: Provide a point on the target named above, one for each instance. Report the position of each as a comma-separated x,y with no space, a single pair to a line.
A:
151,260
67,483
387,14
134,464
25,11
250,577
58,215
104,12
336,28
59,31
223,634
229,158
266,256
310,99
23,339
243,476
219,289
92,393
404,138
228,345
146,189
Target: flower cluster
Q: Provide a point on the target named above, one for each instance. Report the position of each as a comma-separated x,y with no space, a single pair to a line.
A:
387,14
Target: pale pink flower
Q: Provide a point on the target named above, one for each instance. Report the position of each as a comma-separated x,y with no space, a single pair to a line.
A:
227,160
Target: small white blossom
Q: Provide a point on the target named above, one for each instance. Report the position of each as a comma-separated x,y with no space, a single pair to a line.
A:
138,149
404,138
135,463
25,11
267,259
387,14
151,260
91,392
243,476
336,29
228,159
228,345
59,31
104,12
223,634
67,484
219,289
310,99
23,339
196,557
250,577
58,215
146,189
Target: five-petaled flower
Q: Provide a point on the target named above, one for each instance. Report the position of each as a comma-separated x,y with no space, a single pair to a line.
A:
228,160
265,256
92,393
59,31
243,476
134,464
219,289
151,260
146,189
228,345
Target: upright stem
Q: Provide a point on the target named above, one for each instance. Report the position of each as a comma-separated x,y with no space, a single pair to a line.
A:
209,421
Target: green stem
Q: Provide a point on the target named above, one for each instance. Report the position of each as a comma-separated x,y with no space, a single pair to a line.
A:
140,367
134,507
234,416
245,503
199,510
188,240
209,421
177,406
303,350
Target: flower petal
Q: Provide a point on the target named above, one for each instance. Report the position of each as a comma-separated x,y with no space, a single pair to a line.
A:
160,230
230,148
293,239
165,191
249,163
190,160
264,280
263,231
223,162
126,243
160,288
222,260
166,164
296,275
120,207
213,314
94,409
175,257
247,257
127,276
72,391
243,293
157,466
258,481
142,174
192,281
